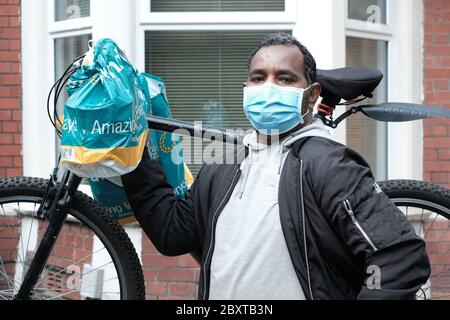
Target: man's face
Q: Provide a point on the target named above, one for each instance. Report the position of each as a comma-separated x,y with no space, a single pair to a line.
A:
283,65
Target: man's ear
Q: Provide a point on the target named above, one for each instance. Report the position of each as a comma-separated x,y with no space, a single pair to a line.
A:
315,90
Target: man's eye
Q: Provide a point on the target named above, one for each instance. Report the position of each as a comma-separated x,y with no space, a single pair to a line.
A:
286,80
257,79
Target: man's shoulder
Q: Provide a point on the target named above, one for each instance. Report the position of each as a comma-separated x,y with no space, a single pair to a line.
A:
316,148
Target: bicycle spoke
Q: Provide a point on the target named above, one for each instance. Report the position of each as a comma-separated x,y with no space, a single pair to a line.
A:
12,230
73,264
429,229
62,295
6,274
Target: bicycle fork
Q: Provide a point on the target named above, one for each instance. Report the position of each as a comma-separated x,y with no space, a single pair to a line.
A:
57,214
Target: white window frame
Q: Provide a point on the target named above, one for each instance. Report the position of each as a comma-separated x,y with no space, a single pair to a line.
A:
377,32
207,21
405,146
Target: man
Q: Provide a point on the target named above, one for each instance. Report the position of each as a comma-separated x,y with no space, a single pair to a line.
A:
296,216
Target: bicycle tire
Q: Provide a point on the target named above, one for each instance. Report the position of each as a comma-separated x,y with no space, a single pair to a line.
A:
89,212
433,196
430,207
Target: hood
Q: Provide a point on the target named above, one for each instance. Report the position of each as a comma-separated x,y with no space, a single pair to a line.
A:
315,129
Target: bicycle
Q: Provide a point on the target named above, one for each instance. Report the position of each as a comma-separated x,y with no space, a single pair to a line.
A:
41,256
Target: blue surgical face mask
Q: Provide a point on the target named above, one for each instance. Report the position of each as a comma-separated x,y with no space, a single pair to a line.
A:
273,109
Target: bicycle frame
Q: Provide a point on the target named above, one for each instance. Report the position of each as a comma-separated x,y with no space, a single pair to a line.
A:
55,210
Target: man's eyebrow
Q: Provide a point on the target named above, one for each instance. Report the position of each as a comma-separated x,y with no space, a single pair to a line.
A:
288,72
257,71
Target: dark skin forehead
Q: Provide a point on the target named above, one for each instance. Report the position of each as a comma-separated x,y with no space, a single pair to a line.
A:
277,59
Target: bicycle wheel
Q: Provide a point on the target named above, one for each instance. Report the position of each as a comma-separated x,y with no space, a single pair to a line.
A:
93,258
427,207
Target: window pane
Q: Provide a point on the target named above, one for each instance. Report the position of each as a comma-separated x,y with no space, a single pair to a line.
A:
372,10
367,136
66,50
216,5
72,9
204,72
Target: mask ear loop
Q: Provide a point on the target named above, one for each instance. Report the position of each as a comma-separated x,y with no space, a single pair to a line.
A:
304,90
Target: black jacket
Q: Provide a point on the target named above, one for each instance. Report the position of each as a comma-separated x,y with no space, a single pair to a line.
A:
346,239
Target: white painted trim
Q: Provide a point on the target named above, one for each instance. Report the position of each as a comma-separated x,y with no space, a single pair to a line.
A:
38,134
406,66
148,17
327,42
72,24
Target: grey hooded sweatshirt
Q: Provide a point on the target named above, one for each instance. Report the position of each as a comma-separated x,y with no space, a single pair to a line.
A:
251,260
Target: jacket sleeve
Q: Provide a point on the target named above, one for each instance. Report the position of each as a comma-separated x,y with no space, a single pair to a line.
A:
376,232
169,222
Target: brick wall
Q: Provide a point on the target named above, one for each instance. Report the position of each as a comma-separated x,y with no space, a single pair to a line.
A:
168,277
437,90
10,90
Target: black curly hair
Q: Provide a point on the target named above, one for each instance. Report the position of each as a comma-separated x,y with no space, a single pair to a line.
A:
275,39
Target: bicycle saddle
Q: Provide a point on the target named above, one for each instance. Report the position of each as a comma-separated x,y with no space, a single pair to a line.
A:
347,83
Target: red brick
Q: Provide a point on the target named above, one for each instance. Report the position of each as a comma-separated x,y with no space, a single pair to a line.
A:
147,245
441,38
17,115
14,45
439,177
437,142
157,260
18,139
176,275
10,127
9,10
4,45
9,103
5,92
150,274
10,56
187,261
14,22
440,85
16,92
14,67
10,79
445,62
431,154
10,33
444,154
10,150
156,288
438,131
4,21
5,139
434,166
18,162
5,115
5,161
437,73
13,172
182,289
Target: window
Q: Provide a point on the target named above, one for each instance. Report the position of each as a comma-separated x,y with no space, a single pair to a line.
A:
204,72
66,50
215,5
71,9
367,136
367,45
367,9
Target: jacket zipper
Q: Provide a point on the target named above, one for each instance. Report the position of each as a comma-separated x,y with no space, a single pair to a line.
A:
304,231
349,210
214,220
